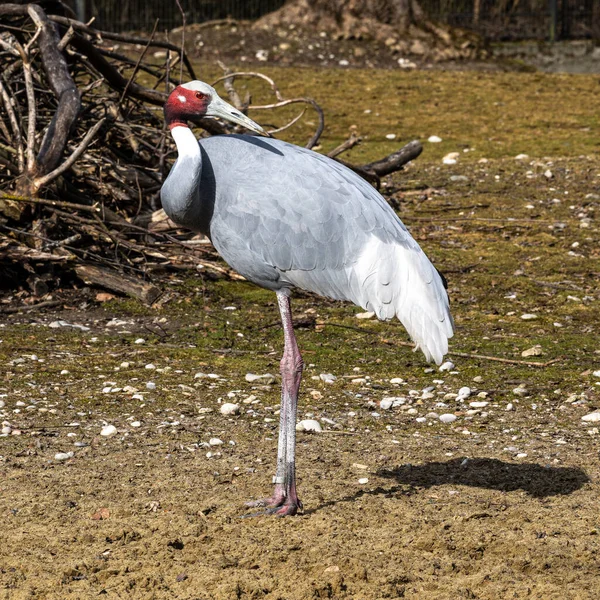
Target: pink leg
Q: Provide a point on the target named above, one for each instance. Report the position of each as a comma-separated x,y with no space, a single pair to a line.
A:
284,500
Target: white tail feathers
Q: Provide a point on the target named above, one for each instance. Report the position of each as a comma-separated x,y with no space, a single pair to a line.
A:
395,280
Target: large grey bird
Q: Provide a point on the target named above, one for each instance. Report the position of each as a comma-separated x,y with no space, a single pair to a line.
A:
283,217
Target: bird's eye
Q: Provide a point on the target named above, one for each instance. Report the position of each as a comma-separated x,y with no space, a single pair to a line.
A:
200,95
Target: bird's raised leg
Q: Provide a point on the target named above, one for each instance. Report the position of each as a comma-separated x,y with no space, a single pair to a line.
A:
284,500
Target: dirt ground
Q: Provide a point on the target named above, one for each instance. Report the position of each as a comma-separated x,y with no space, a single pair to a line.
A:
501,503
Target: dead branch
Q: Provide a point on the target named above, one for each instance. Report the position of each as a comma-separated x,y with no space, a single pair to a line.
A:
396,160
121,283
84,151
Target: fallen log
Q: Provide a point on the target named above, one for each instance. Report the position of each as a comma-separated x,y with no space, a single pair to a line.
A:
118,282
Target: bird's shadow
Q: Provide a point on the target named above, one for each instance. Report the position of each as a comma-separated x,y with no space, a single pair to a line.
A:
536,480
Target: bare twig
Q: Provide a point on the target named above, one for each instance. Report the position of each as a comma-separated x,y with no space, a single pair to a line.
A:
14,126
139,60
89,136
182,38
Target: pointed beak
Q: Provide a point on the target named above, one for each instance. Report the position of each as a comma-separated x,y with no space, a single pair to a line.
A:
223,110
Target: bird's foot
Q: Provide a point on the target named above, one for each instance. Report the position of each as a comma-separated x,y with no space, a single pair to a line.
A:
277,499
287,509
276,505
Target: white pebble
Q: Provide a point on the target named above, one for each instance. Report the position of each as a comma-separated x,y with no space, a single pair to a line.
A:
434,139
447,366
529,317
150,366
386,403
230,409
522,455
140,341
596,373
390,136
447,418
150,385
64,372
592,417
365,315
478,404
215,441
266,378
63,455
464,392
135,424
108,430
6,429
451,158
309,425
521,157
327,377
363,480
397,380
520,391
510,406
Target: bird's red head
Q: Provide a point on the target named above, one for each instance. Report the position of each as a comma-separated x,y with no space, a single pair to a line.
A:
184,104
196,99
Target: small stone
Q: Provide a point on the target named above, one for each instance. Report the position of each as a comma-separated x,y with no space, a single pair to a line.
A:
63,456
267,378
363,480
459,178
365,315
548,174
230,409
464,392
135,424
478,404
533,351
358,380
140,341
397,380
434,139
6,430
390,136
478,379
386,403
528,317
520,391
522,455
108,430
591,418
447,366
150,366
309,425
215,441
596,373
451,158
327,377
343,63
448,418
510,406
360,467
521,157
150,385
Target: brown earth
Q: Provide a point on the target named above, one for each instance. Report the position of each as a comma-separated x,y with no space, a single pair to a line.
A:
499,504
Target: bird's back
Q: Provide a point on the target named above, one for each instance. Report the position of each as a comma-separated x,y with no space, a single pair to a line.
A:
284,216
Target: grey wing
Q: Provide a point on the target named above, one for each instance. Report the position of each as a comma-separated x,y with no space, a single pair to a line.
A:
300,219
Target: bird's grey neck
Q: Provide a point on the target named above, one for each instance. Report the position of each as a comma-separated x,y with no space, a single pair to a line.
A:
180,194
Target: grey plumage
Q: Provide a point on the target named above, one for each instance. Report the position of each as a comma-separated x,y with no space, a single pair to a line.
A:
283,216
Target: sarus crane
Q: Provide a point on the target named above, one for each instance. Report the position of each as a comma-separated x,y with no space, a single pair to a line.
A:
284,217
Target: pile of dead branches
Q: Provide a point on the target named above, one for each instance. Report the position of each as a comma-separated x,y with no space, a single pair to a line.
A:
84,150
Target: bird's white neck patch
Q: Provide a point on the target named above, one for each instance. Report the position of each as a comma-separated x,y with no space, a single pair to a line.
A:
185,140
